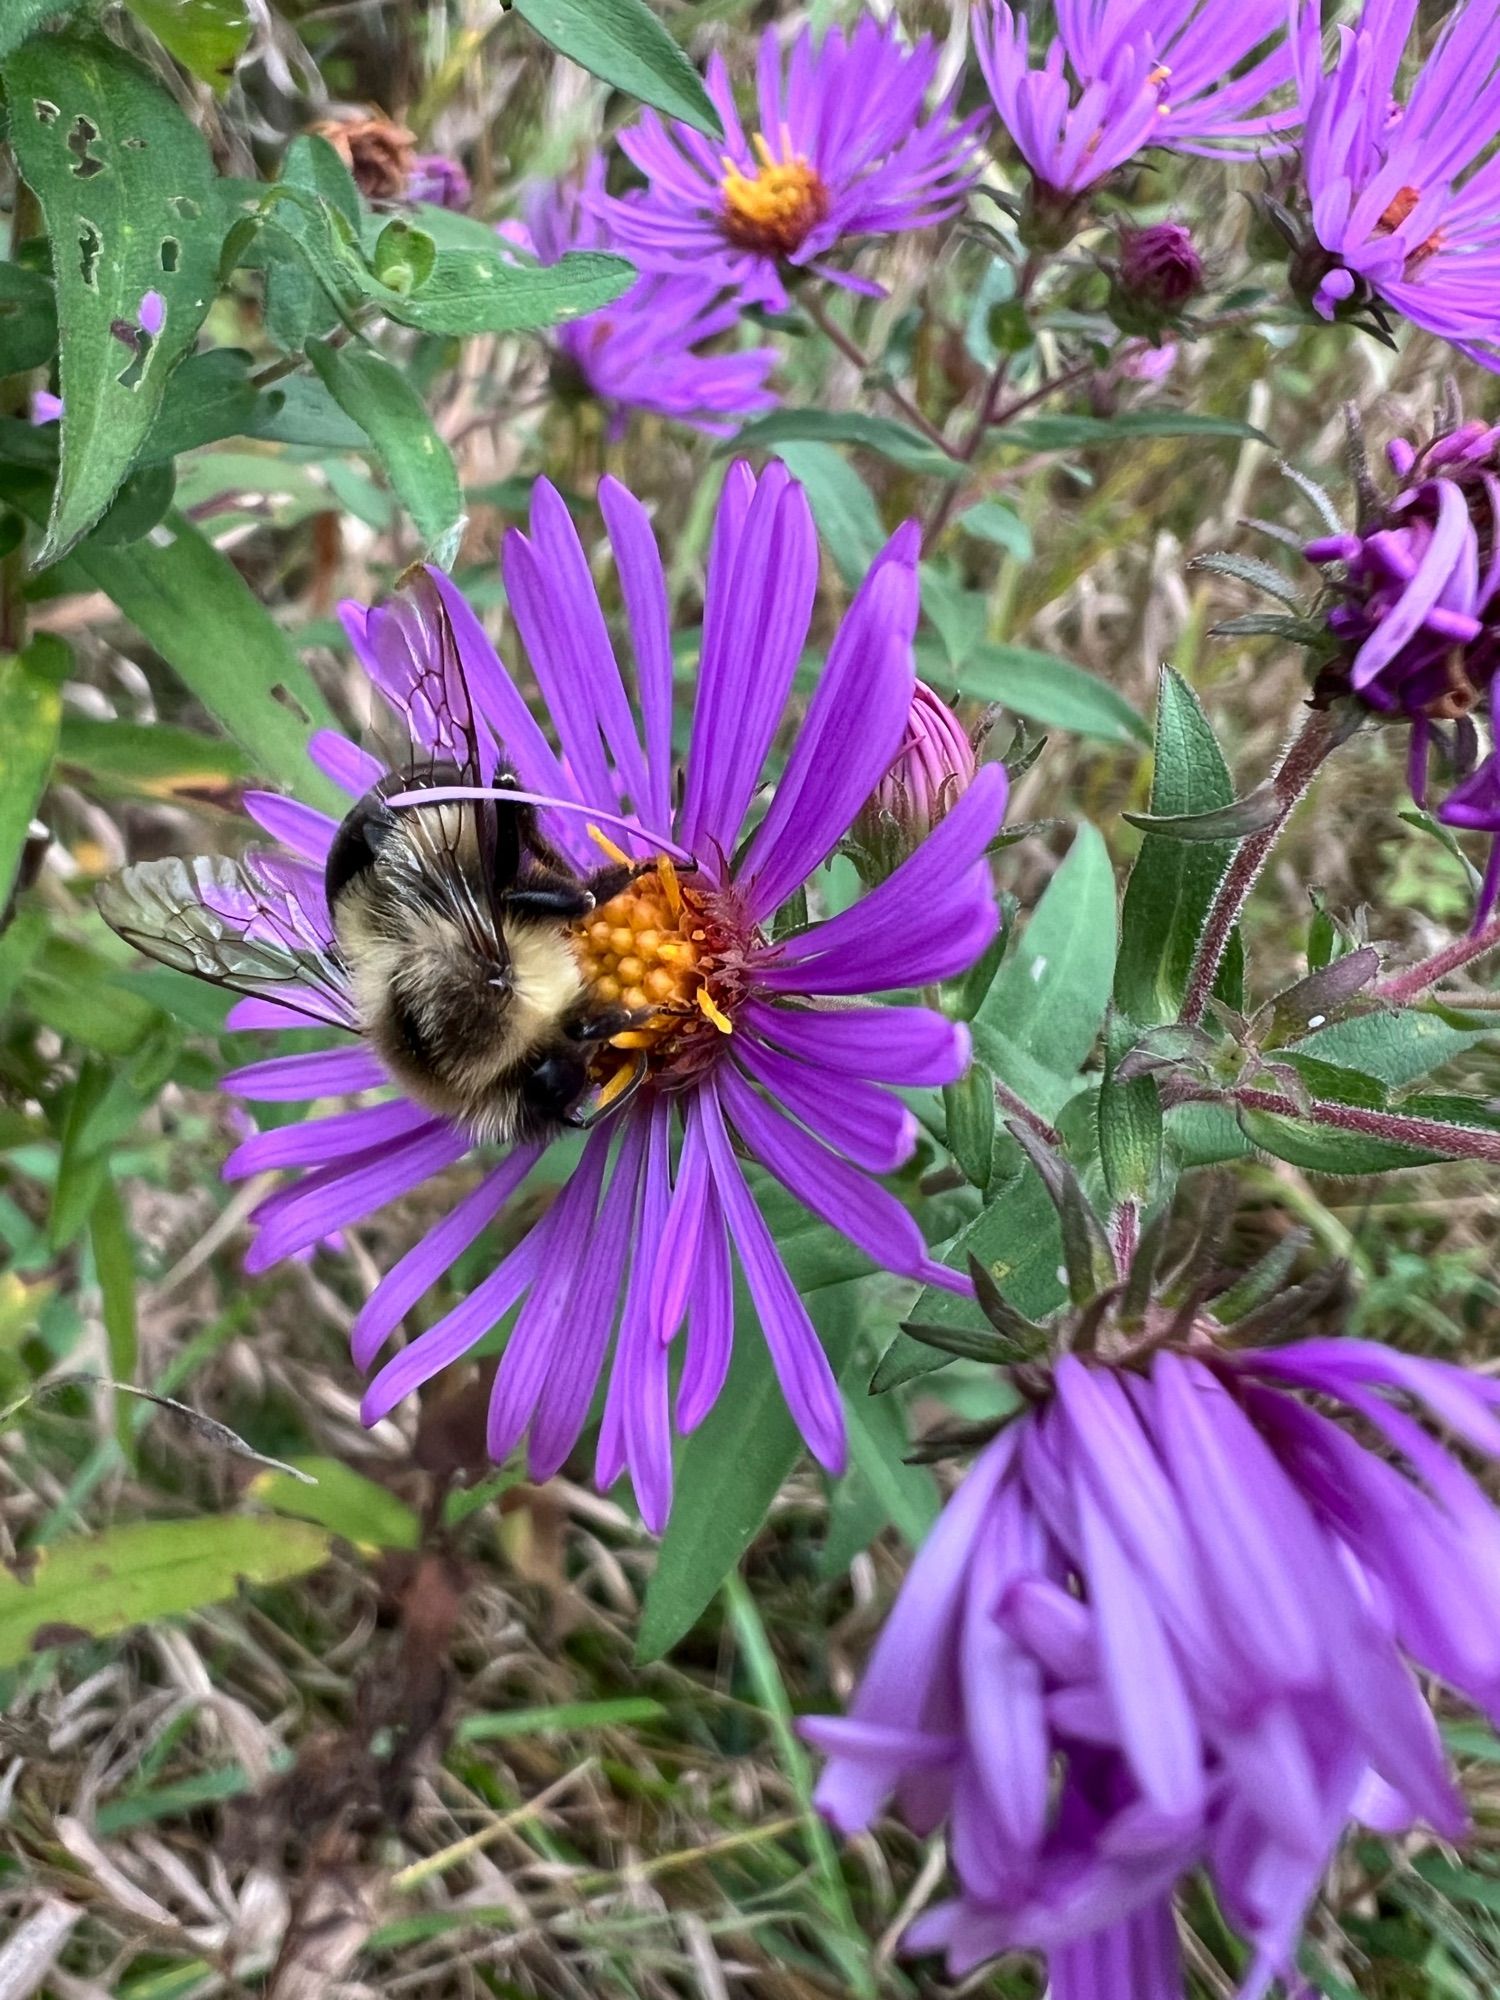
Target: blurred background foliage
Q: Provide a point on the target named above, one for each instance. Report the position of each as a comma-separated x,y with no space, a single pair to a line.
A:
391,1732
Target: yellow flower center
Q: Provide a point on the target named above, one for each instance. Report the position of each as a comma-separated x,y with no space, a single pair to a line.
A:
774,209
670,953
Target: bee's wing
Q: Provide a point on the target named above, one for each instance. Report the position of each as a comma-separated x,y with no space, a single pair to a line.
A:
219,921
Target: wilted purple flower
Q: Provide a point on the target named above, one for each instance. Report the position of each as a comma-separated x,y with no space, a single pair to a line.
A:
745,1062
1405,196
435,178
843,151
1416,611
645,352
1174,1619
1475,805
1119,77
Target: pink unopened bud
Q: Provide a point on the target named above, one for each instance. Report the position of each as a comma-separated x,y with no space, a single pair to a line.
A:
933,768
1159,273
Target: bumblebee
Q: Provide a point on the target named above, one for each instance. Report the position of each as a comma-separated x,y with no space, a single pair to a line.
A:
452,931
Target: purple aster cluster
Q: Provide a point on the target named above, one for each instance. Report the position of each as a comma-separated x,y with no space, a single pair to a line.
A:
1404,191
752,1064
1174,1619
1416,615
845,149
660,348
1194,76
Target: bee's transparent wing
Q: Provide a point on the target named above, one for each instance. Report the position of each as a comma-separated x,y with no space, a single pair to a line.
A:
218,920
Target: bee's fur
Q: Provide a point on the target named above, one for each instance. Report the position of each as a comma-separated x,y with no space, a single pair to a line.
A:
474,1001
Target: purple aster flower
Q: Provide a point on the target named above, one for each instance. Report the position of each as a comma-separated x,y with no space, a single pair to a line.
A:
743,1060
1475,805
1119,76
1405,196
647,350
843,151
1174,1618
1415,616
435,178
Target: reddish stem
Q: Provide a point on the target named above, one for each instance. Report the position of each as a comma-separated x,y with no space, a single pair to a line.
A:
1430,1135
1291,778
1404,986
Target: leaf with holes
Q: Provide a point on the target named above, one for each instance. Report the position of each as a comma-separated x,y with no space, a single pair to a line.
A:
123,178
206,36
622,42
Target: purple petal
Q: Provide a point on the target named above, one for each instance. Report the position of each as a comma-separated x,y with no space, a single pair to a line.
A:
865,1123
315,1142
334,1197
353,770
905,1045
319,1073
303,829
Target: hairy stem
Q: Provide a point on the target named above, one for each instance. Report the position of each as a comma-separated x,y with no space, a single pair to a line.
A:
1019,1109
1415,980
1431,1135
1299,765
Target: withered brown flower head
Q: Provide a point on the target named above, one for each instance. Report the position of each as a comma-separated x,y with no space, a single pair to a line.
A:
376,151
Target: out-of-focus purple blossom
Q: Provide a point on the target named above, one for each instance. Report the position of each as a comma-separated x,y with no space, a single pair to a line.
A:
1416,605
1119,77
1474,805
152,316
45,407
1175,1618
844,150
1149,365
746,1062
1404,192
647,350
439,180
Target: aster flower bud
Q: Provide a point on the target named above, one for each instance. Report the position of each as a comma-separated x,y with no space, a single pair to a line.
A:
437,179
1158,274
930,772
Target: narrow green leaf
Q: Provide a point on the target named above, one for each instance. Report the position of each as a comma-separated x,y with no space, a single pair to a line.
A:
94,1585
28,320
153,758
993,521
31,707
379,397
126,184
1130,1124
1068,433
878,1444
202,617
342,1500
562,1718
114,1264
207,37
1045,1006
898,442
623,43
1396,1047
843,506
1053,692
1173,881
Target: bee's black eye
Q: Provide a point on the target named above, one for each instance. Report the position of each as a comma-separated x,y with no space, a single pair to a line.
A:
552,1087
362,832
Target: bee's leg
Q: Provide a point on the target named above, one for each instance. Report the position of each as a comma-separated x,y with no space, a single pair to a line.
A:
550,896
601,1023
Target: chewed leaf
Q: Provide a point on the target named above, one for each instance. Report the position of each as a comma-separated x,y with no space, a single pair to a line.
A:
124,181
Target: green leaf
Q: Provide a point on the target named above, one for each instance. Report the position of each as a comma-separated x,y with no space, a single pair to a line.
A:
843,507
1018,1240
1173,881
153,758
207,37
202,617
878,1443
623,43
379,397
125,182
28,320
114,1264
560,1718
1064,433
32,709
1042,1014
21,17
993,521
1053,692
732,1467
213,398
1130,1124
898,442
1396,1047
94,1585
343,1501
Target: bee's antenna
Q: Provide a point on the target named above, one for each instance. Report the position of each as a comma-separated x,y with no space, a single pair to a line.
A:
431,795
